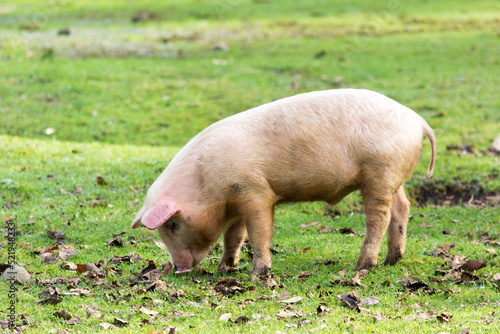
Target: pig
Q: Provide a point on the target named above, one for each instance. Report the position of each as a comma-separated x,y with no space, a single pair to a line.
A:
317,146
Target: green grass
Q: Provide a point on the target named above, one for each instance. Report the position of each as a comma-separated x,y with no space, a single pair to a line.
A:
124,97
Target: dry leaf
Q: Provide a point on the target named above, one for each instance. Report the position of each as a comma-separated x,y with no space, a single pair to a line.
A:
325,229
92,313
120,322
241,320
160,244
444,317
289,315
369,301
66,252
63,314
305,274
106,325
150,313
100,181
58,235
472,265
291,300
350,299
68,265
285,294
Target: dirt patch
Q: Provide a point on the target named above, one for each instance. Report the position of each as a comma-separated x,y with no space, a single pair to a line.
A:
466,194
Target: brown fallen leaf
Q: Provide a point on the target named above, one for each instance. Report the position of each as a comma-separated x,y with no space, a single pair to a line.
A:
50,259
355,281
467,277
288,315
92,312
63,314
100,181
81,292
305,274
284,295
444,317
225,317
325,229
472,265
229,287
115,242
241,320
419,315
322,309
417,306
310,224
68,265
348,230
291,300
370,301
269,281
167,268
91,267
414,283
58,235
66,252
350,299
157,285
74,321
107,325
160,244
136,258
50,296
149,313
120,322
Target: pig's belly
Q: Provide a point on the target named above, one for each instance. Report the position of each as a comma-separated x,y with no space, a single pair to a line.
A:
324,191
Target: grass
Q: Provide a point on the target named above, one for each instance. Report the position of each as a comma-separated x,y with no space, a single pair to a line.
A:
122,98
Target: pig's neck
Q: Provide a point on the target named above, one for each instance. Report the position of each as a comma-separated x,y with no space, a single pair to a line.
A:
180,182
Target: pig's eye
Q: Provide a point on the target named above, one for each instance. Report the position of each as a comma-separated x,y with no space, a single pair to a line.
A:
172,227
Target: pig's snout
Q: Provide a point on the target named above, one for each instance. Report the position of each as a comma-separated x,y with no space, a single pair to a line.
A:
181,271
195,257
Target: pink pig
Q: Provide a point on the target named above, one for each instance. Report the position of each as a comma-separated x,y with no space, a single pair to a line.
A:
317,146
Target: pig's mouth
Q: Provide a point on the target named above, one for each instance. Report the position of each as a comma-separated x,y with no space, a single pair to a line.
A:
181,271
186,269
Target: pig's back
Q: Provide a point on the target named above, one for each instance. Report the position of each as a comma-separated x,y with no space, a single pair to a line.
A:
309,145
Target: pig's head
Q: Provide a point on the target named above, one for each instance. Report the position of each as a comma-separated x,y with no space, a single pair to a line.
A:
186,242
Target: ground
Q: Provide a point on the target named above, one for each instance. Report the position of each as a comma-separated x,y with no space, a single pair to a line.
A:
97,97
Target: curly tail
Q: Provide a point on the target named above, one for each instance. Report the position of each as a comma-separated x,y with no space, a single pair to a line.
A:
430,134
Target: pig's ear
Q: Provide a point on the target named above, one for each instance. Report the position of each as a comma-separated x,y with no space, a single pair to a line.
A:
159,214
138,218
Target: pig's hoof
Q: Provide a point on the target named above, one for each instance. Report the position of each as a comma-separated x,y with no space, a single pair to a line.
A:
259,272
226,265
392,260
365,265
223,267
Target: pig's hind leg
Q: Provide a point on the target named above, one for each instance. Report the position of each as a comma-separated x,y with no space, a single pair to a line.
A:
396,233
233,239
377,216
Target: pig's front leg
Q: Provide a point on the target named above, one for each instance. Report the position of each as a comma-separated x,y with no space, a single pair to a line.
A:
396,233
378,215
258,217
233,239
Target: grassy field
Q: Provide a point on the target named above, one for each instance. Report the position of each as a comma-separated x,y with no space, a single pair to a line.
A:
115,88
